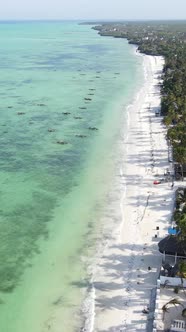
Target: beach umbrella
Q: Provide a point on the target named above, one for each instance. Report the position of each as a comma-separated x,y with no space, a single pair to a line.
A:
172,231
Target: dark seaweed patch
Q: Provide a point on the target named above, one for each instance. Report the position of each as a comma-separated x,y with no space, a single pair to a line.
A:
20,229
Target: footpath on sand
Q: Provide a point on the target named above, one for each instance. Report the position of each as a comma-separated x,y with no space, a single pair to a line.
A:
129,266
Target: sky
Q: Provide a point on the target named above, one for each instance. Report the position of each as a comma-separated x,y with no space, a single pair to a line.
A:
93,9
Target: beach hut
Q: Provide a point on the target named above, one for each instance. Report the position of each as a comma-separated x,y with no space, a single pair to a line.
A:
173,245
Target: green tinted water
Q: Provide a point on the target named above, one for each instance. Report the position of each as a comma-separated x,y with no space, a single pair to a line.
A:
52,195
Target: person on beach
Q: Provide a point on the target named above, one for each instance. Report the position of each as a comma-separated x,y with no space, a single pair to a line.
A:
145,310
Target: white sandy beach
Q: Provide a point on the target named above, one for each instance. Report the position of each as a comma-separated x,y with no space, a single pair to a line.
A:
124,284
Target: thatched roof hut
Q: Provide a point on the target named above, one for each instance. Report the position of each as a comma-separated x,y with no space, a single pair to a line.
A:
173,245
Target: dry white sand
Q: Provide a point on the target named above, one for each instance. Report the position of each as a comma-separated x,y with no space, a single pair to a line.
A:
124,285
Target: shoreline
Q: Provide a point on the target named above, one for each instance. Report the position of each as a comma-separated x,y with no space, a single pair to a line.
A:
123,285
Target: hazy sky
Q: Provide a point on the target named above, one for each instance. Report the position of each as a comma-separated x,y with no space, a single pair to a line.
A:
93,9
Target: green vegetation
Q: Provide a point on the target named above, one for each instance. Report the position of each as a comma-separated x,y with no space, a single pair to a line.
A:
176,289
182,270
174,302
167,39
180,212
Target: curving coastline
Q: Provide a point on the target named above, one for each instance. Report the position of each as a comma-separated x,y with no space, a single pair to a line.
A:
128,267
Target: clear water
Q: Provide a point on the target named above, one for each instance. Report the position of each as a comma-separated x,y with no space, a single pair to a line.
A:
52,195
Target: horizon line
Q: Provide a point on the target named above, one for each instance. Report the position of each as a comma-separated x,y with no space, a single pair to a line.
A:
89,20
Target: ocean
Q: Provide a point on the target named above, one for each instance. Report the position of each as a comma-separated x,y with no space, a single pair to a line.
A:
64,94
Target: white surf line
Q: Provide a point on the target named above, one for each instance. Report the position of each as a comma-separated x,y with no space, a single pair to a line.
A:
122,203
88,309
129,288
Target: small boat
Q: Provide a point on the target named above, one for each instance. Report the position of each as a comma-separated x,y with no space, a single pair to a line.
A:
92,128
80,135
62,142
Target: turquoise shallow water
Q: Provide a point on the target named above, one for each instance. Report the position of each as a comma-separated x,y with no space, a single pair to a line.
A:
57,80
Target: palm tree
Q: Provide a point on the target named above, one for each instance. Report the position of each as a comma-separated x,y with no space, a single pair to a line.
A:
166,306
182,271
179,154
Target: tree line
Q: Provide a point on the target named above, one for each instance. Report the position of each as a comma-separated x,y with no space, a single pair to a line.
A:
167,39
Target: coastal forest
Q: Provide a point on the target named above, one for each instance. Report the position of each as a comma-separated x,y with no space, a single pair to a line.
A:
167,39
